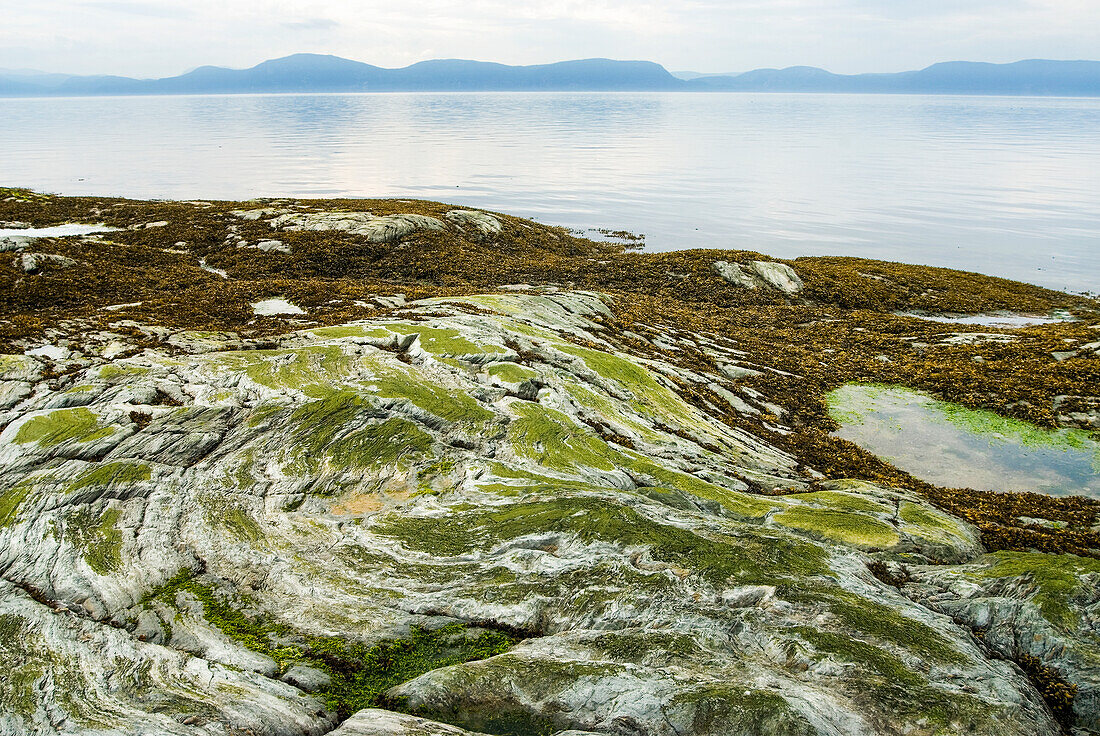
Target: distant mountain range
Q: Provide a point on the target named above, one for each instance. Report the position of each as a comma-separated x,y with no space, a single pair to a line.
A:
322,73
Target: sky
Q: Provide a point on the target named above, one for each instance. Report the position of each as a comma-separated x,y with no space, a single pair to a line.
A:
155,38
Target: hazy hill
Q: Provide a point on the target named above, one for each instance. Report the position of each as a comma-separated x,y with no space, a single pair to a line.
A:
324,73
1031,77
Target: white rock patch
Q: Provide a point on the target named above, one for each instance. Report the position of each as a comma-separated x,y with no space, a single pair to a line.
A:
272,307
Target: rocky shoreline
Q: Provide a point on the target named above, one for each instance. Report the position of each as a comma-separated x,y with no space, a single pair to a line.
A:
387,467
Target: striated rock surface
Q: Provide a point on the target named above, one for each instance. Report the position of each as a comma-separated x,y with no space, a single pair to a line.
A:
203,539
424,470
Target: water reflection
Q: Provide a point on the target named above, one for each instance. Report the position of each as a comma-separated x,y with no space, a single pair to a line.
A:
1007,186
952,446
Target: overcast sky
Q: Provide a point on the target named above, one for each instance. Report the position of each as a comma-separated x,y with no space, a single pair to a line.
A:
152,38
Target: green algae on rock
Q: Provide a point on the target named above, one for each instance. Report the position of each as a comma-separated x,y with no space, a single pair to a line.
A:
609,507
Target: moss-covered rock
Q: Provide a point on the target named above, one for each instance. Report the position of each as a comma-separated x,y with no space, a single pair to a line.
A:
513,511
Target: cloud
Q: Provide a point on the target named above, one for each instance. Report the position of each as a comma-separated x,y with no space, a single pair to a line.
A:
151,10
312,24
163,37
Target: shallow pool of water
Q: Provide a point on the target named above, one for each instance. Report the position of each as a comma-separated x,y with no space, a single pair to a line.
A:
994,320
273,307
57,231
953,446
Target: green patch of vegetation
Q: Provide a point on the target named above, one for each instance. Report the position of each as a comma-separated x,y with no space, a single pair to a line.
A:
311,370
444,402
62,425
17,367
740,504
511,372
12,499
552,440
321,434
428,475
636,646
113,473
501,470
392,442
26,658
989,424
1056,577
846,527
865,618
608,409
117,372
747,560
22,195
261,414
650,397
443,341
889,682
841,501
930,523
23,667
736,708
361,674
97,537
505,714
228,514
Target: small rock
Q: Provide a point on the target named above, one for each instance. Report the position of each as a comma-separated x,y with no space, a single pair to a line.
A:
149,628
33,262
306,678
53,352
734,274
483,224
270,245
779,276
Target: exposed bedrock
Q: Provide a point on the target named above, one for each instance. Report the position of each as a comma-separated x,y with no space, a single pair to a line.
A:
485,514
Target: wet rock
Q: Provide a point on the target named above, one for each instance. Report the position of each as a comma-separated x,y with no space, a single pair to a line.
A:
1028,605
15,242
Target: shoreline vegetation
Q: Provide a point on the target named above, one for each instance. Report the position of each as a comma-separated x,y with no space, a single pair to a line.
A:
841,328
461,465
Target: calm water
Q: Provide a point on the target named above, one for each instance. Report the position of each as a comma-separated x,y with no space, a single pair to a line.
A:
951,446
1006,186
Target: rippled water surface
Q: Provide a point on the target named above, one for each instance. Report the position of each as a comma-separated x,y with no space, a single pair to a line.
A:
1002,185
